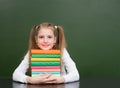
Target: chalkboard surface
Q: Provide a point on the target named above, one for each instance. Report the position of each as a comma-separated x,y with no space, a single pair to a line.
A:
92,30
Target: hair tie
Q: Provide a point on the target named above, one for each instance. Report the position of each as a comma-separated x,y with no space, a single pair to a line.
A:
36,27
55,27
35,30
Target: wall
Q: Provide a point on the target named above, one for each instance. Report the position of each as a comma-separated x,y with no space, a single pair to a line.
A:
92,30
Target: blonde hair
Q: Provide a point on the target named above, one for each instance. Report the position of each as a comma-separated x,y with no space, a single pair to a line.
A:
58,33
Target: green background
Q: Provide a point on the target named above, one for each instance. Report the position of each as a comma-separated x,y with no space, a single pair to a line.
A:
92,30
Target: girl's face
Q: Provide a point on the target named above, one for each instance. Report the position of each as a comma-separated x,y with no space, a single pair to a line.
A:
45,39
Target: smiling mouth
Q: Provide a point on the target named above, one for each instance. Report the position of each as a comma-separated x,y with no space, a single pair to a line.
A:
45,45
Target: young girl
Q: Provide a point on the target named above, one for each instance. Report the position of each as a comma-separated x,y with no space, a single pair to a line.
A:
47,36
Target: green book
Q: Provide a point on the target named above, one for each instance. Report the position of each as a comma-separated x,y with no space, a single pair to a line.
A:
45,55
45,63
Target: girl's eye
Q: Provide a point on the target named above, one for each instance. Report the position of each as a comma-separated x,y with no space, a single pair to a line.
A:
41,36
49,36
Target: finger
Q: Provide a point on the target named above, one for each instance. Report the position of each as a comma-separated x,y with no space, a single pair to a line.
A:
50,82
45,75
48,75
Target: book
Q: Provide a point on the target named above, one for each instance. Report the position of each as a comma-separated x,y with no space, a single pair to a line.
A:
45,62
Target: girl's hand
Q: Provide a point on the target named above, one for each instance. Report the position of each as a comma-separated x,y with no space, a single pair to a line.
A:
56,79
41,79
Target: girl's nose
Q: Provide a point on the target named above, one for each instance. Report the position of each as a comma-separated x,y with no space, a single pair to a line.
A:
45,40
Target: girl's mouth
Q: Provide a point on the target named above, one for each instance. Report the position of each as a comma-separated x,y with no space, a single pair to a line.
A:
45,45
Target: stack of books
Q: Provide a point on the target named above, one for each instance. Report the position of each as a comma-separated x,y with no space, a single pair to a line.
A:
45,62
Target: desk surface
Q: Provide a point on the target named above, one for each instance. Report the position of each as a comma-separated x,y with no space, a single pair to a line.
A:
83,83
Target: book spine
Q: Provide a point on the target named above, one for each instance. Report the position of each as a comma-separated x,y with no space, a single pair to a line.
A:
45,63
43,70
45,67
44,59
36,51
45,55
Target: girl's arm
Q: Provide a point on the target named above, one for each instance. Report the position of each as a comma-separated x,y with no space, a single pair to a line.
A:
20,72
70,66
72,72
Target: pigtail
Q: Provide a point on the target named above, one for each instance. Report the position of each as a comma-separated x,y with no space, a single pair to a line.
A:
61,38
32,38
32,41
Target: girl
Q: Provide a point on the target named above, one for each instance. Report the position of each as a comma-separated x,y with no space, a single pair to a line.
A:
47,36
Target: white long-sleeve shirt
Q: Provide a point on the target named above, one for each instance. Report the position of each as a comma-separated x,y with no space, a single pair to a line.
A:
68,70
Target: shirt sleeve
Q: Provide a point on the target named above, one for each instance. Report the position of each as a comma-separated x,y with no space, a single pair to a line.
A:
20,72
70,66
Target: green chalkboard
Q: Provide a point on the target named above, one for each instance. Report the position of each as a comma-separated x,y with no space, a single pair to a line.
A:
92,30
